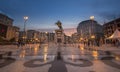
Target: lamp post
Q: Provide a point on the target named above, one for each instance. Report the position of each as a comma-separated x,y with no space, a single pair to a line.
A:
92,17
25,33
91,30
47,37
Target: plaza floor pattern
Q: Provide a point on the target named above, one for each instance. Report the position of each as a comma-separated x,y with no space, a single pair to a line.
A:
44,59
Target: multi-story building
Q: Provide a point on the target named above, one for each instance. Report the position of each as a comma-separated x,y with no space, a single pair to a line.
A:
59,36
21,35
43,37
75,38
7,30
90,29
51,37
32,36
110,27
4,19
46,37
13,32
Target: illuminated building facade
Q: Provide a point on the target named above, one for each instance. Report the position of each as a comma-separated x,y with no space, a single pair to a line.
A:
90,29
111,26
7,30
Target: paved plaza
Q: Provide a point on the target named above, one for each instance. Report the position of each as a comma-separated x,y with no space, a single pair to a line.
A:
44,58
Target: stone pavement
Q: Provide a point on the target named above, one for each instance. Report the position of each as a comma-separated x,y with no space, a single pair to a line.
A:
58,66
73,60
6,61
112,49
108,61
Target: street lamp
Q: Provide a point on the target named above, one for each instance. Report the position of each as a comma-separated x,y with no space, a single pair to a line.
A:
91,31
25,20
92,17
46,36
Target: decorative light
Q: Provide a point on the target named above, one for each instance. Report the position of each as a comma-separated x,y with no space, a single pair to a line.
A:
92,36
95,54
25,17
46,32
92,17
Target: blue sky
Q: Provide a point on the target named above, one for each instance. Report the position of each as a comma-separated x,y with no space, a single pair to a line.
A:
44,13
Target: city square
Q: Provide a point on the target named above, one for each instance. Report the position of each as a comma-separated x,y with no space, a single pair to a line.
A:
59,36
41,58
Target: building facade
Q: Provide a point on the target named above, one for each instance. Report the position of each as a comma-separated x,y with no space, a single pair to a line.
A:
46,37
4,19
51,37
7,30
110,27
59,36
90,30
68,39
43,37
32,36
75,38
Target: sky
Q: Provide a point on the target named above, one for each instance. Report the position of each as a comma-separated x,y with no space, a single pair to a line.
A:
43,14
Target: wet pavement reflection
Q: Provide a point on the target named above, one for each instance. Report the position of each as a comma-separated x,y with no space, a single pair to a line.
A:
22,54
35,55
95,54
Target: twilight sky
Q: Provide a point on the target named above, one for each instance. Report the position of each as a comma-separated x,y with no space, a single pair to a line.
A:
44,13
